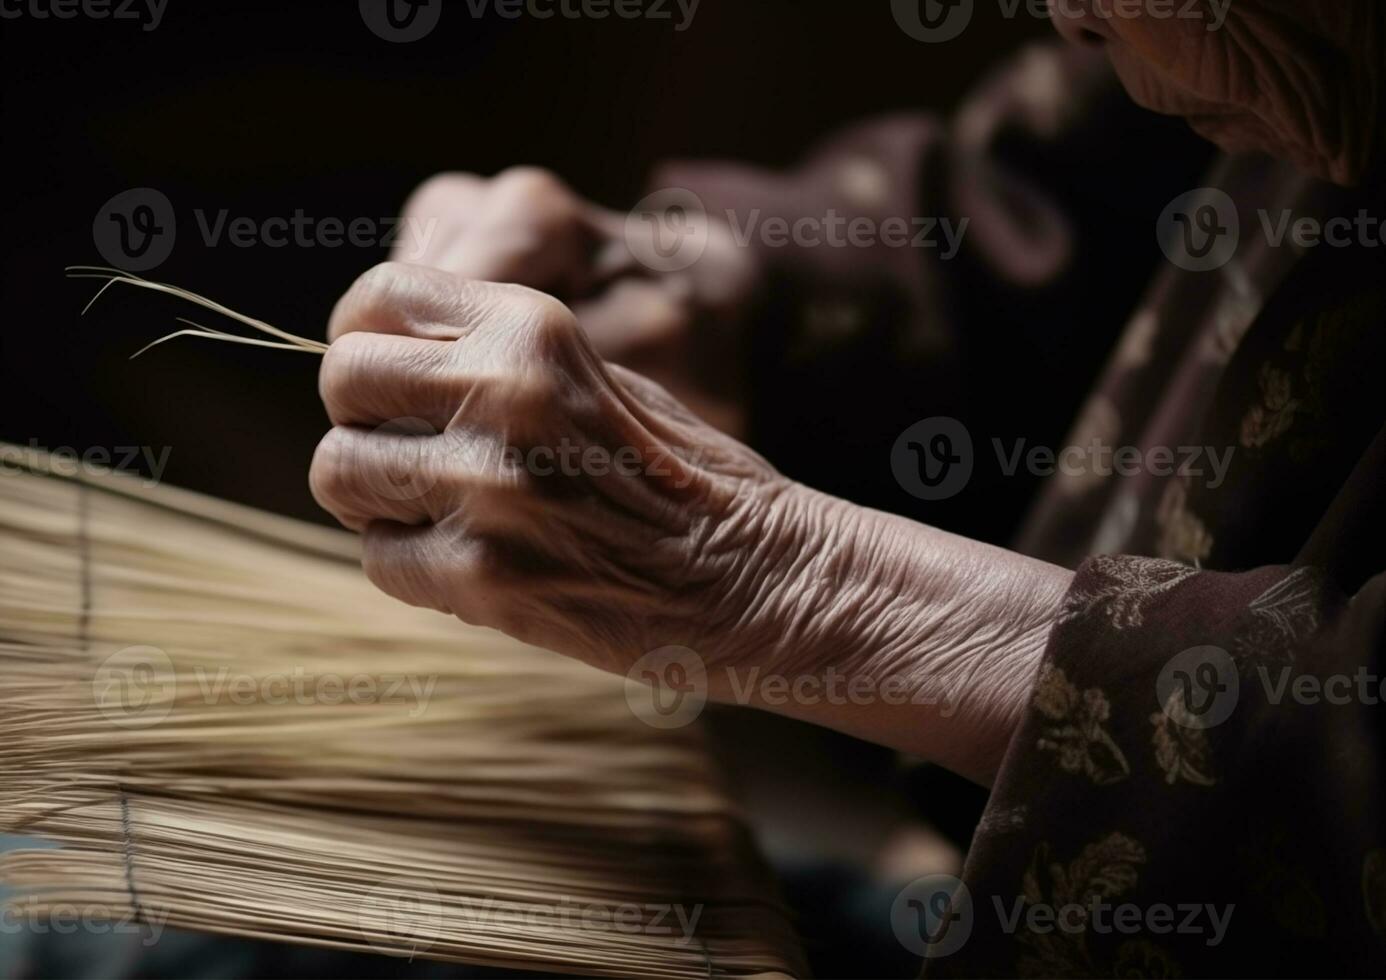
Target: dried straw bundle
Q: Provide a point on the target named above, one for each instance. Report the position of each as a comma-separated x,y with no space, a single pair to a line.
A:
228,729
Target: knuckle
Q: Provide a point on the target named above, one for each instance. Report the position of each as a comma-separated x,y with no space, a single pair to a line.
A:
406,468
367,300
529,209
398,298
448,366
413,569
443,191
377,570
551,325
427,370
378,284
529,183
392,572
477,573
519,405
341,367
327,476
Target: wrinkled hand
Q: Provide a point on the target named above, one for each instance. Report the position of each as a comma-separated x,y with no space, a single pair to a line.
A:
502,472
680,322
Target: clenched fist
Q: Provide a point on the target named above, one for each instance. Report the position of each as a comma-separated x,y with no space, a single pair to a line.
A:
502,472
681,323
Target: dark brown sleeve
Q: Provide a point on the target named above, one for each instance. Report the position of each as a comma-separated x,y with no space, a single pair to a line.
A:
1001,206
1197,788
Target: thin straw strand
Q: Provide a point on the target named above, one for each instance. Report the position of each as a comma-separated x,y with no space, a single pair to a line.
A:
116,276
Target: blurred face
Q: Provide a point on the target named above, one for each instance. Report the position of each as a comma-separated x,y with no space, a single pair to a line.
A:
1299,79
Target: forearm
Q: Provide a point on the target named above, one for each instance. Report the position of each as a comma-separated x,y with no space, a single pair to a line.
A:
907,636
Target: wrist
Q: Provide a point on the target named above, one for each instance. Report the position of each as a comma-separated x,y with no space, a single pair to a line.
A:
909,636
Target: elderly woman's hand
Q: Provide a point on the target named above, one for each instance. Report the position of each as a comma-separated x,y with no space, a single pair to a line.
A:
502,472
674,317
523,226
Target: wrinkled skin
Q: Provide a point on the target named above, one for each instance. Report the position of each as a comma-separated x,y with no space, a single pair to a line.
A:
439,386
440,389
624,531
1298,79
684,329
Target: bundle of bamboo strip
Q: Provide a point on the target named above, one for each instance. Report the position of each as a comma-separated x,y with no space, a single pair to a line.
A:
227,729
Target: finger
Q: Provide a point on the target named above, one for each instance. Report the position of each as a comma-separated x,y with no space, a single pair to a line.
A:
436,214
471,577
610,224
557,262
407,562
360,476
633,317
410,300
534,231
525,226
615,258
429,304
368,378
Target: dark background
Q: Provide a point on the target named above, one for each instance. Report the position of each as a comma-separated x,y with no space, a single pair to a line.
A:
266,108
263,108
